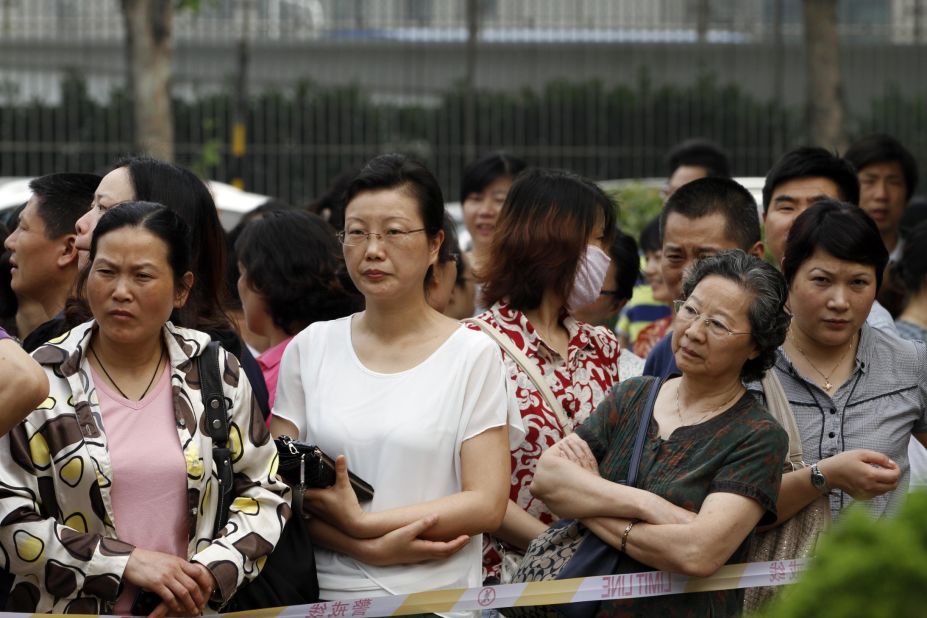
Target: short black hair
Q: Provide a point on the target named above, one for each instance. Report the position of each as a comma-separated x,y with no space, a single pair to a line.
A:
450,249
627,260
913,265
62,199
330,205
292,259
396,171
842,230
649,239
811,162
484,171
708,196
881,148
700,152
913,215
231,262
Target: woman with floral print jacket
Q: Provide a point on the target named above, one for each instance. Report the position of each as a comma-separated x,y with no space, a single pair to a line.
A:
109,487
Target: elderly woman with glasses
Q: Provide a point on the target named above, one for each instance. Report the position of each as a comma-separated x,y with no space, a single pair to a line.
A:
712,457
415,401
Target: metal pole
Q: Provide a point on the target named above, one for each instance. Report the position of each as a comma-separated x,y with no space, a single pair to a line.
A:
240,113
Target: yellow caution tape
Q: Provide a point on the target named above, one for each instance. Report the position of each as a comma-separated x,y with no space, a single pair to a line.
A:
557,592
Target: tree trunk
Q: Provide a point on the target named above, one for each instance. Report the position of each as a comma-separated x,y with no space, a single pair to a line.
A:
824,94
148,55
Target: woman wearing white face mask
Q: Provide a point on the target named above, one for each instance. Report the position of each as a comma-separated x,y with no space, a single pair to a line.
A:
547,258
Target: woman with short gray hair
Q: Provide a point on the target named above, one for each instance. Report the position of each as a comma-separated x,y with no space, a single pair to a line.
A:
707,473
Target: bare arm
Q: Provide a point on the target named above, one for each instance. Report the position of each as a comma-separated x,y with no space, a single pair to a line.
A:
861,473
282,427
519,527
571,489
698,548
23,384
479,507
401,546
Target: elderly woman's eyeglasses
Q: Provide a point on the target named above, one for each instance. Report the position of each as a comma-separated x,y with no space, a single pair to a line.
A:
687,314
353,238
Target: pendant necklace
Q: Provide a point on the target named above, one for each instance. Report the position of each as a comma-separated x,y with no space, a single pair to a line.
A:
827,385
113,382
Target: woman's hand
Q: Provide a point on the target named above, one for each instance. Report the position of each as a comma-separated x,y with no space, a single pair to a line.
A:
338,504
184,586
861,473
575,449
404,545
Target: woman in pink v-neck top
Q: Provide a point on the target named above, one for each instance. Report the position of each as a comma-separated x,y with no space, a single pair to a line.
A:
149,490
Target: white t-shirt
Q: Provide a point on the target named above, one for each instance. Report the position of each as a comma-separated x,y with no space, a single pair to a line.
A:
401,432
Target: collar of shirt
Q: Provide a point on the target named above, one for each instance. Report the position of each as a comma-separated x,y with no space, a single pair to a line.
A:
271,357
580,333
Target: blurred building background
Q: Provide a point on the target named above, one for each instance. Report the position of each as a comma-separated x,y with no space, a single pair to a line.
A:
602,87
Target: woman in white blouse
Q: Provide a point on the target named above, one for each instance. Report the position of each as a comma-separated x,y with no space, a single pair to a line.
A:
415,403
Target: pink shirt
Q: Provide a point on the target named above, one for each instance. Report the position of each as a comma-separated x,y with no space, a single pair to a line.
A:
269,363
149,485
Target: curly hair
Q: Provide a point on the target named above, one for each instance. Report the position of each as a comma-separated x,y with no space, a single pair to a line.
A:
769,320
292,260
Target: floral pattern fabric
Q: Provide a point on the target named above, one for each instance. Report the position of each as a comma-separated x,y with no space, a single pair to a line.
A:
579,382
58,533
651,334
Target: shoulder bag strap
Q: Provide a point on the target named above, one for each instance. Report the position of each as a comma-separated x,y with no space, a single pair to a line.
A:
529,367
638,451
217,424
778,405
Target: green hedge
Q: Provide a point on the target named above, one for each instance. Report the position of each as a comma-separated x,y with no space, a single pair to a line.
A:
865,567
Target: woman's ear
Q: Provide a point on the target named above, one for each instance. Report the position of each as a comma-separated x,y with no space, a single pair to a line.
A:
183,290
436,243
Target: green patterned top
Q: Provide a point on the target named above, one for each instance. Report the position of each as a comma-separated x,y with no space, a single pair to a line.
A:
739,451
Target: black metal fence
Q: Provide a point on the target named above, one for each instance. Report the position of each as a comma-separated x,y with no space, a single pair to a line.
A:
603,87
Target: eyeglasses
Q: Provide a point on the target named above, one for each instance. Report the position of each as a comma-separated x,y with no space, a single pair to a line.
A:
687,314
353,238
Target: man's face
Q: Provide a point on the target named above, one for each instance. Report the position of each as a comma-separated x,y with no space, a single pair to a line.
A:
683,174
687,240
789,199
883,194
33,256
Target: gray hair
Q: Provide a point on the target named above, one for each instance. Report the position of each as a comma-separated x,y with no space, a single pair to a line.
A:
769,320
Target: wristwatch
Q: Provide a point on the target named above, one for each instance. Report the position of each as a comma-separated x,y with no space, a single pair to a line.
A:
818,480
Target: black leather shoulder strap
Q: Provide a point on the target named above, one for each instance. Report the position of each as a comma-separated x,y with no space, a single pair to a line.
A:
646,415
217,424
211,391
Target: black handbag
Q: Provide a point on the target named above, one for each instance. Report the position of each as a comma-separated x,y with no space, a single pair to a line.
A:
568,549
306,464
289,576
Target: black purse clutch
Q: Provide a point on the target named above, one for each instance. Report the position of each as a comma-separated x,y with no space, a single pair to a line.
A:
307,465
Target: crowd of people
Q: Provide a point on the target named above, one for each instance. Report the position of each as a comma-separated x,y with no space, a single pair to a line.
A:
488,393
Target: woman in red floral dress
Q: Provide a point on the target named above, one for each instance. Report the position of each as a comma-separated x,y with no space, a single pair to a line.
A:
547,256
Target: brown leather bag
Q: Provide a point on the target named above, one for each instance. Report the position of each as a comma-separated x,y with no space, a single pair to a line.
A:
796,537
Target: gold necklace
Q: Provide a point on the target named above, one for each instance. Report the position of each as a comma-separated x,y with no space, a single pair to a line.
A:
708,414
827,383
